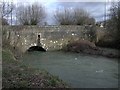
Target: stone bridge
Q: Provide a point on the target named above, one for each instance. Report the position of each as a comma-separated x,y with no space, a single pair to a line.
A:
51,37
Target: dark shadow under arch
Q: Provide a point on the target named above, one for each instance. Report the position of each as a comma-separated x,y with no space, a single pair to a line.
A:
36,48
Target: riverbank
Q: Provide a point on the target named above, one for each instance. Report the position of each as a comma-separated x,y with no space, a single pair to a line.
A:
17,75
87,47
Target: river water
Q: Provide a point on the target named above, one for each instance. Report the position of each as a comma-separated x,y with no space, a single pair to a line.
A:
77,70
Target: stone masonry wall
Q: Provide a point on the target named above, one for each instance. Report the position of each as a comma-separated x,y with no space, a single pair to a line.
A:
52,37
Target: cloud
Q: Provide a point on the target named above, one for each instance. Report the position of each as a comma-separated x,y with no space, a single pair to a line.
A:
86,0
60,1
96,8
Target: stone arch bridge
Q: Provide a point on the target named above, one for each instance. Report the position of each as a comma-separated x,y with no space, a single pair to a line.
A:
51,37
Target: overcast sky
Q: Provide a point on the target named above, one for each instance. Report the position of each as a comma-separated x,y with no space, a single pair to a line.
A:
96,8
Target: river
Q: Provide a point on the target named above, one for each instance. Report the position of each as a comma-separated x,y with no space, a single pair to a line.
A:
77,70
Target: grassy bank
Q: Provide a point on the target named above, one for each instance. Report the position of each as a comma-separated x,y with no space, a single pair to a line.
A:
17,75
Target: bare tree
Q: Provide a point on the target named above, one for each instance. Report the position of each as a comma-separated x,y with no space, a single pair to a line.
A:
73,16
113,24
64,17
22,15
4,21
31,14
80,16
7,8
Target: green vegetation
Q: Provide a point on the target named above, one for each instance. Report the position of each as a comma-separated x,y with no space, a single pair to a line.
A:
17,75
112,25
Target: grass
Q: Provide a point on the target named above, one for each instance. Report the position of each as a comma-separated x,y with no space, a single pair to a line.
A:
17,75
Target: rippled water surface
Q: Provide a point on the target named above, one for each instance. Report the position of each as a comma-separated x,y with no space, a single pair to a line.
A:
77,70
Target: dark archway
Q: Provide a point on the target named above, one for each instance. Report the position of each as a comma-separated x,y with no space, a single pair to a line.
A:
36,48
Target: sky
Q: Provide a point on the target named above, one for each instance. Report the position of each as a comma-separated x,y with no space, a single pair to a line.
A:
96,8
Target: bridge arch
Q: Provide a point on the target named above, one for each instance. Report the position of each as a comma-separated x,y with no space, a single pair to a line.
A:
36,48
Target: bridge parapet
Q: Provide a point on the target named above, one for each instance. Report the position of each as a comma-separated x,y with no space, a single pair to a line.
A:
51,37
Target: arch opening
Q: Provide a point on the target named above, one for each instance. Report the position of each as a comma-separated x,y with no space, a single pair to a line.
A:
36,48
